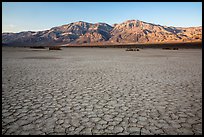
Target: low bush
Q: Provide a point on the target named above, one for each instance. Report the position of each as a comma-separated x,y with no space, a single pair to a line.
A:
55,48
170,48
132,49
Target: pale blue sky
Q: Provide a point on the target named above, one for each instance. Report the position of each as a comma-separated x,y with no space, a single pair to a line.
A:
34,16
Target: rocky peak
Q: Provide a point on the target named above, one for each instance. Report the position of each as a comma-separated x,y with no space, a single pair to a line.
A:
130,31
82,24
130,24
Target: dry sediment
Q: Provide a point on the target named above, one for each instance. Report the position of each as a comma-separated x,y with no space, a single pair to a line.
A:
101,91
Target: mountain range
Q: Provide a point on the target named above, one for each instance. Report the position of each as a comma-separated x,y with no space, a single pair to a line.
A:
83,33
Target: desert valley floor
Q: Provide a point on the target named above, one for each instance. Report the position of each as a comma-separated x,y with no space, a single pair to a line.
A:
101,91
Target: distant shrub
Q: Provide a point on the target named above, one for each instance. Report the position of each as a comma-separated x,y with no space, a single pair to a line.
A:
132,49
170,48
166,48
55,48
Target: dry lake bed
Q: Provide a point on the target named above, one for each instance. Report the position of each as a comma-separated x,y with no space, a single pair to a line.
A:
101,91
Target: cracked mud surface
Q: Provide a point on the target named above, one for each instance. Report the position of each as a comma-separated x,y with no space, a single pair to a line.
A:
101,91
